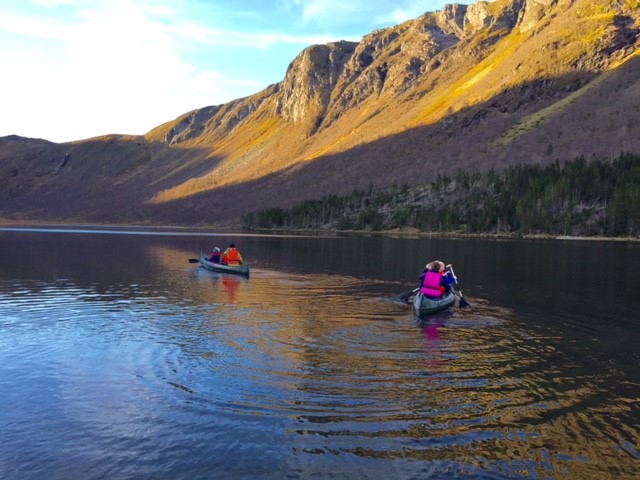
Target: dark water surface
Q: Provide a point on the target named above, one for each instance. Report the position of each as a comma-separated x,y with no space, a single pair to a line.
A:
119,359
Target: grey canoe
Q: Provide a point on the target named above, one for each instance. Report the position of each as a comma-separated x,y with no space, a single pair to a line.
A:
219,267
423,305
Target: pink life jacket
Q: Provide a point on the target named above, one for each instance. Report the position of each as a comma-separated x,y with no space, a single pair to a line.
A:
431,284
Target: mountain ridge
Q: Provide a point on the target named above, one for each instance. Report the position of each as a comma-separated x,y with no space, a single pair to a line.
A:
486,85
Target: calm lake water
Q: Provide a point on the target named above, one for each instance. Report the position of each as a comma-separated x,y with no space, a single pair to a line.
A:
120,359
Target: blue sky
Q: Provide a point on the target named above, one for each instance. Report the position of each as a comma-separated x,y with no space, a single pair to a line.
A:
77,69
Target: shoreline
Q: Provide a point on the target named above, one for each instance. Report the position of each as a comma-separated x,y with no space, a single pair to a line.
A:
397,233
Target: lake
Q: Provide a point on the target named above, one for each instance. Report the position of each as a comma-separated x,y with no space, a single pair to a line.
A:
120,359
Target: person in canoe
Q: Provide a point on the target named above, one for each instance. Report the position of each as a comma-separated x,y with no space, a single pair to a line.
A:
215,255
231,256
436,279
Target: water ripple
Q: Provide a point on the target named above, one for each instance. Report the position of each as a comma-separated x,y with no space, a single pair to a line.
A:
163,376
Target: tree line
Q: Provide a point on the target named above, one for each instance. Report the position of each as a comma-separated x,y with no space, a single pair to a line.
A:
580,197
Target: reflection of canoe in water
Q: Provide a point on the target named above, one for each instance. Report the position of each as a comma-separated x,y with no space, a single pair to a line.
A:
220,267
424,305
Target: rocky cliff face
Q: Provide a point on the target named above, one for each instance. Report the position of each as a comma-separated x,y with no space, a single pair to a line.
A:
310,80
471,87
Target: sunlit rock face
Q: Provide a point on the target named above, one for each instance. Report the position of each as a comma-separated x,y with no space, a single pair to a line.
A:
534,10
310,78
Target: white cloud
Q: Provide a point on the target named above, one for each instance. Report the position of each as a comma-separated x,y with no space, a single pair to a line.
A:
399,15
31,26
330,12
113,69
365,12
52,3
209,36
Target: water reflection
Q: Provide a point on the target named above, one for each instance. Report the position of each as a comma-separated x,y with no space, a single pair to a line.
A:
309,368
431,332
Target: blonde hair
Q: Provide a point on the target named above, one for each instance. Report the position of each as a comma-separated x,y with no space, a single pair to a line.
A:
435,266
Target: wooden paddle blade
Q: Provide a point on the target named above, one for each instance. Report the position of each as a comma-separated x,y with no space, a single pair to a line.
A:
194,260
462,302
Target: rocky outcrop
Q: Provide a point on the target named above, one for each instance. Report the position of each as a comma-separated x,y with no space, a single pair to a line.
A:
535,10
306,89
190,125
495,15
451,19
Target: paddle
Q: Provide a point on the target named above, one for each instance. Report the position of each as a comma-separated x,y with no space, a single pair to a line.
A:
462,302
194,260
405,296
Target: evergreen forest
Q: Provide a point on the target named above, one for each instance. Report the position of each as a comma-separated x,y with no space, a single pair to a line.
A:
580,198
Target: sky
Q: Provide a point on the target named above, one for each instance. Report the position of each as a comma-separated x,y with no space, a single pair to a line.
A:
75,69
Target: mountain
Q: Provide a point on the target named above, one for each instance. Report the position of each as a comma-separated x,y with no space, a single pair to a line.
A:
488,85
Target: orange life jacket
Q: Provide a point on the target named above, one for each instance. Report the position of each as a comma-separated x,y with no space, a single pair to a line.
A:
231,257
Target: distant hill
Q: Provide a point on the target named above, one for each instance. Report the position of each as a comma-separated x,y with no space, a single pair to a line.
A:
489,85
